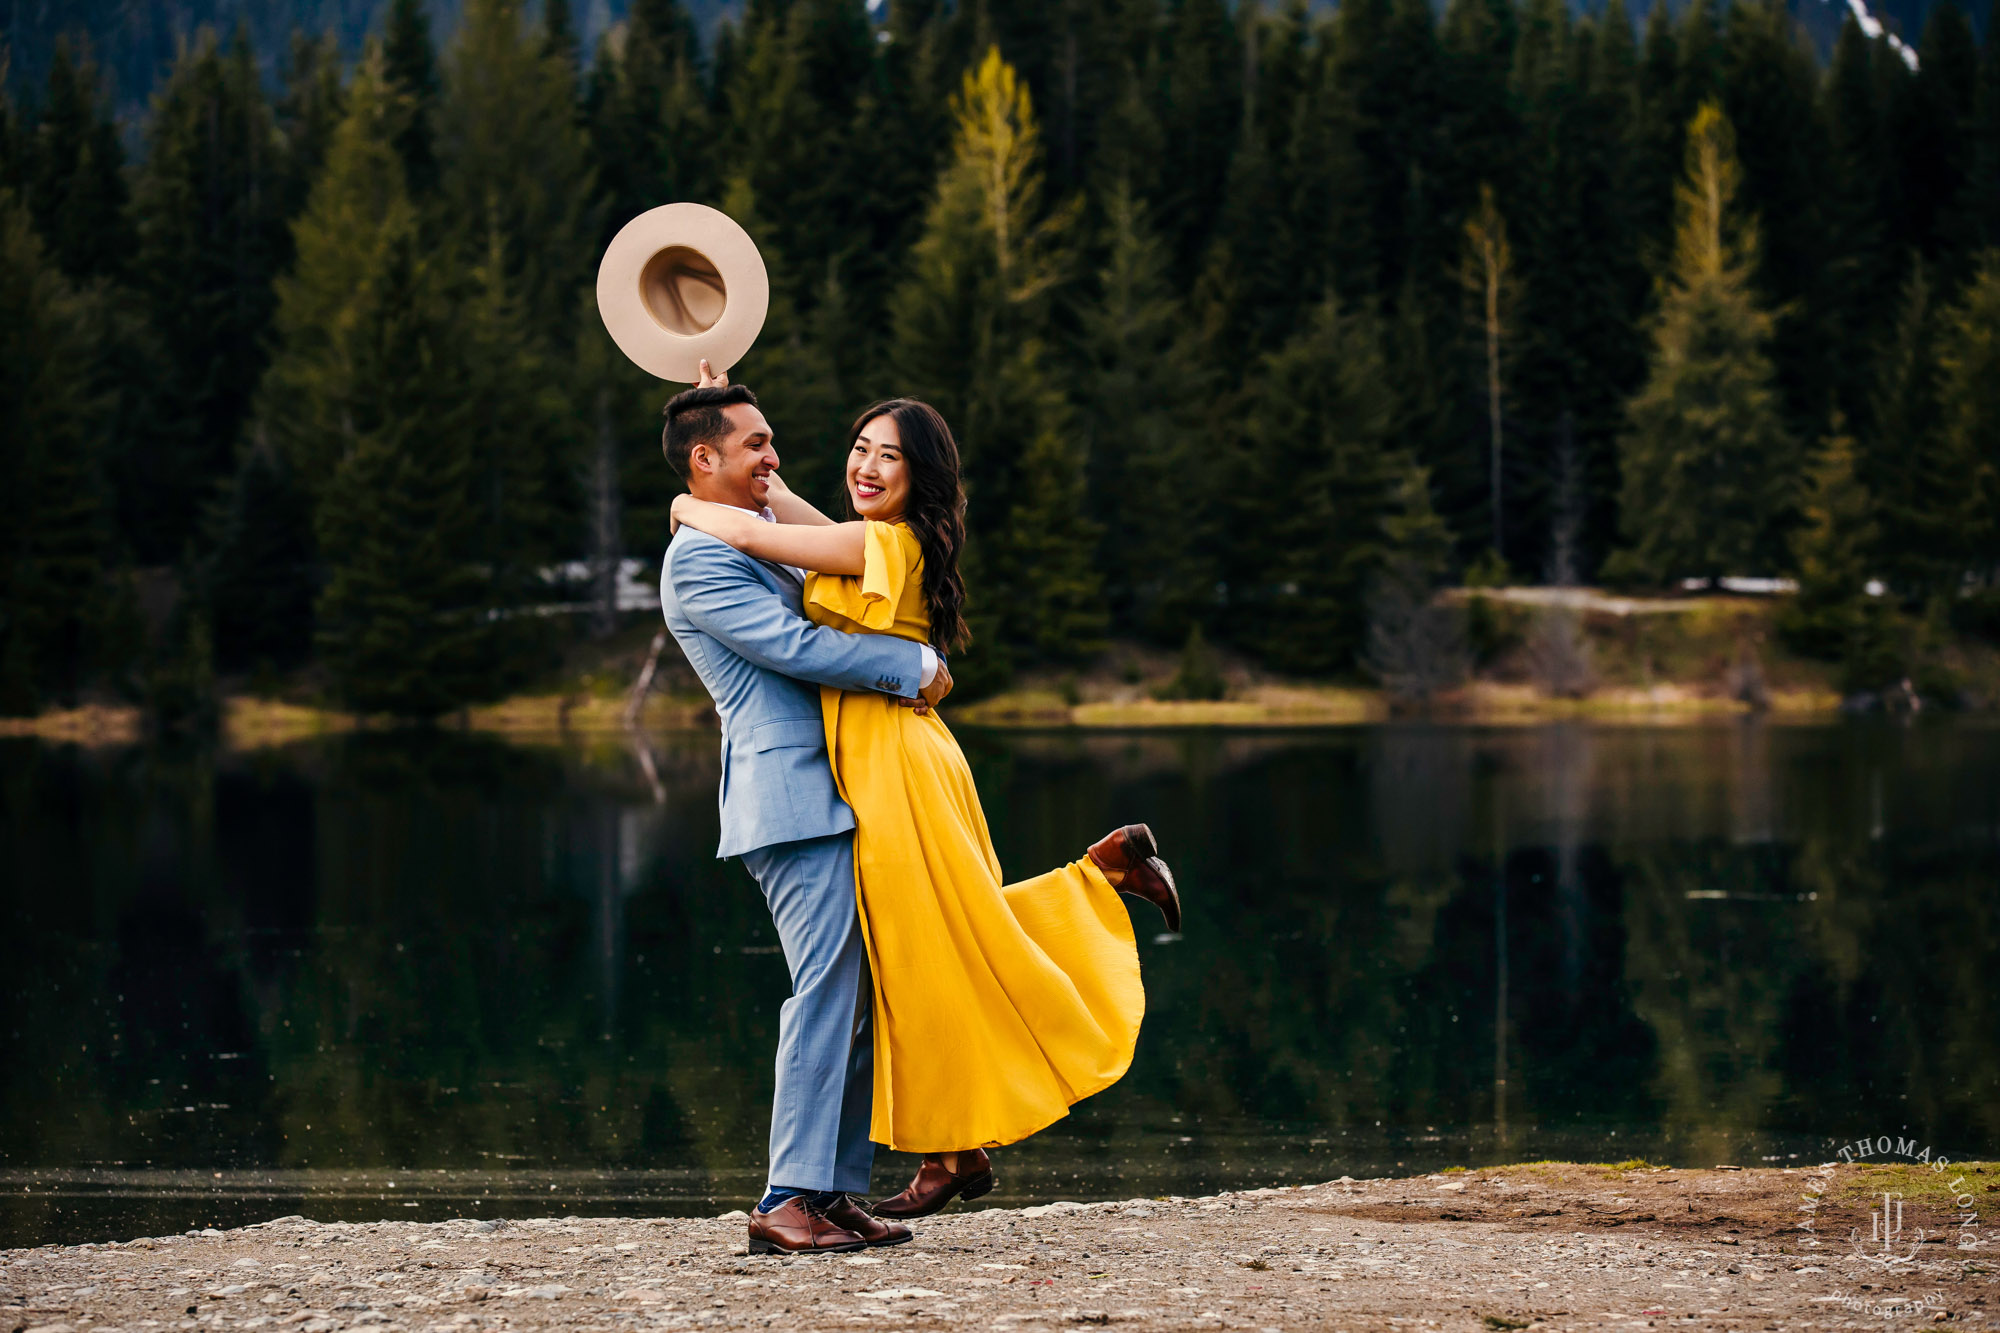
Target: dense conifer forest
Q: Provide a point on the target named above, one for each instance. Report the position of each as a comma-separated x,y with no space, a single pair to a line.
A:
1255,324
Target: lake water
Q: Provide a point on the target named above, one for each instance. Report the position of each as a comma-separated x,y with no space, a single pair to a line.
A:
423,976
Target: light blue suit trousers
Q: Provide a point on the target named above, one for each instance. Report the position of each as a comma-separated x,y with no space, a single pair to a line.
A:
826,1068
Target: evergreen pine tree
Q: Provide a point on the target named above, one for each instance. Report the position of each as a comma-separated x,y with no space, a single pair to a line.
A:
52,532
524,473
1703,55
919,63
1200,114
305,404
308,112
784,141
514,164
1609,345
410,66
647,114
1480,132
1982,190
78,190
795,366
1860,275
559,34
1969,399
1770,92
1415,647
1833,616
627,488
1918,491
209,203
1709,468
323,387
1931,125
260,576
1325,178
13,152
1658,125
1387,54
1144,399
1317,477
404,622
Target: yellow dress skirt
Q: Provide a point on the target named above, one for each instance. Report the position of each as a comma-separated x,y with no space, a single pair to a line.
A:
997,1006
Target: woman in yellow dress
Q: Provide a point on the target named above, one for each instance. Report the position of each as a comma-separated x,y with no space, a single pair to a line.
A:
997,1006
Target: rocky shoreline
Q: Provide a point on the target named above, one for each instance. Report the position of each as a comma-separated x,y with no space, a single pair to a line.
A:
1535,1247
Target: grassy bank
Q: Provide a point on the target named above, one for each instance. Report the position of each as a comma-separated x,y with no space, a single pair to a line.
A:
1646,661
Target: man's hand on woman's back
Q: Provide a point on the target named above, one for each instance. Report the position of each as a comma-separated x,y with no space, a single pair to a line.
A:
931,695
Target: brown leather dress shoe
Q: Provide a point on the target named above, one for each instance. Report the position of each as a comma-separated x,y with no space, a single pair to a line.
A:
851,1216
796,1227
935,1187
1132,850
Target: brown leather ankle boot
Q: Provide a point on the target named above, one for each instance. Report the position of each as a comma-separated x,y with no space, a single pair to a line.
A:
935,1187
1132,851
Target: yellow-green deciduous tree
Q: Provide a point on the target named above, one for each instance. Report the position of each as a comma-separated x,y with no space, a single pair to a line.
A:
972,336
1710,472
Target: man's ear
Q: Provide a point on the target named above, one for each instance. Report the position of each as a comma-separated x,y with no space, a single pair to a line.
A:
700,459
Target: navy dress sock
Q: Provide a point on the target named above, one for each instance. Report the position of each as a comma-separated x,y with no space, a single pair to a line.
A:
777,1195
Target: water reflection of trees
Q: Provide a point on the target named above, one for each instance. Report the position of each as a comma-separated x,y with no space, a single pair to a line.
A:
1343,911
451,952
385,950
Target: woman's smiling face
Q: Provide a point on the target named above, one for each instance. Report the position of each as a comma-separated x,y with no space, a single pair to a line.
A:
878,481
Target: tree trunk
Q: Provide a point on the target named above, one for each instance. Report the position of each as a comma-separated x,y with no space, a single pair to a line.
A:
606,540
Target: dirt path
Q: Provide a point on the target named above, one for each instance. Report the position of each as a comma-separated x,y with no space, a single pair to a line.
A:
1539,1247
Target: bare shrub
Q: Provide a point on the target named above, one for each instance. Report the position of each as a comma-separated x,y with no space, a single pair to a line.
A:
1416,646
1559,656
1745,678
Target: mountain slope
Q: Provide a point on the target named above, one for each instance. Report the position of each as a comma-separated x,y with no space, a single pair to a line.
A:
135,40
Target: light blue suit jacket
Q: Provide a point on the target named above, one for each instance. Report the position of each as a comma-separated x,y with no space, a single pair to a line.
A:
742,626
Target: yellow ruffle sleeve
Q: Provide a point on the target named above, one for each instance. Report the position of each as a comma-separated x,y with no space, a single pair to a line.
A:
890,557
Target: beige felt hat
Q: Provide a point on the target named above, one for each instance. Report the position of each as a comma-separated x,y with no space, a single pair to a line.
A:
680,283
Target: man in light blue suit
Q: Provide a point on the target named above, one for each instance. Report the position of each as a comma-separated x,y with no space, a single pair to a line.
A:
740,622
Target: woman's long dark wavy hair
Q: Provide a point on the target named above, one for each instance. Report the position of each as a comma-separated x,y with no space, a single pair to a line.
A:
935,510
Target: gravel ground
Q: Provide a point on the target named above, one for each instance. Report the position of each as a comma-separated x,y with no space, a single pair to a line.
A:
1519,1247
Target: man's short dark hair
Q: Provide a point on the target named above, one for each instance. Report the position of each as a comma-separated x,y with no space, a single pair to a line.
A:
694,416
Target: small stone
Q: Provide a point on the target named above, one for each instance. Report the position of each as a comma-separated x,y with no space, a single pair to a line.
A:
733,1215
1053,1209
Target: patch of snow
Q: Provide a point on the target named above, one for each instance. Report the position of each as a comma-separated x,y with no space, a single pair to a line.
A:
1872,26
